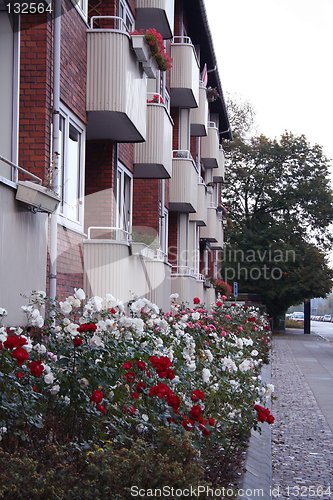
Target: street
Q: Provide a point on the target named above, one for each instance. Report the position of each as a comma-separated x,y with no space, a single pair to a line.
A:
323,329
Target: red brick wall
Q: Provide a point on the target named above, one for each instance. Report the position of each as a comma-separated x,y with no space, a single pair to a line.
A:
70,262
73,61
175,132
99,184
35,94
173,237
146,203
126,152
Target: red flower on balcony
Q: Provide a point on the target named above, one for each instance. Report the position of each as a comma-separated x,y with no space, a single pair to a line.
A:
157,49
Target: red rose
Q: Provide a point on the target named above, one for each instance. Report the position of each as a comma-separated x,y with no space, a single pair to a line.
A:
36,368
14,341
197,395
127,365
211,421
173,401
196,412
130,377
141,365
204,430
101,408
187,423
97,396
78,341
140,386
135,395
20,355
196,300
19,375
219,303
112,310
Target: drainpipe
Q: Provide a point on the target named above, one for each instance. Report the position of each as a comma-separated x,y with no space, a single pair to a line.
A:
55,146
163,242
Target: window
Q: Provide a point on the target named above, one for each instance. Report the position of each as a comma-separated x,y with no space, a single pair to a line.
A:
126,15
124,199
71,168
82,7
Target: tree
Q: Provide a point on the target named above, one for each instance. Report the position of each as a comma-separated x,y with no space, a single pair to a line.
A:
280,207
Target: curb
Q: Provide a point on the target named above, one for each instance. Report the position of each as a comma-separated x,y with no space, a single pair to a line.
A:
258,464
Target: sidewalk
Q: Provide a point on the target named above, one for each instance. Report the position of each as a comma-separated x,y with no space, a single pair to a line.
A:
302,437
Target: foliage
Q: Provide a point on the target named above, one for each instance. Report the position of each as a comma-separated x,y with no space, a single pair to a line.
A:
222,287
291,323
104,471
279,201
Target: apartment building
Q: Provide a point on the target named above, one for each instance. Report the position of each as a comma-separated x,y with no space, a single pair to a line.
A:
111,170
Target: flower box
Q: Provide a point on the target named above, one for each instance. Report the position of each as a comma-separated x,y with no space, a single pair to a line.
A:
141,48
37,198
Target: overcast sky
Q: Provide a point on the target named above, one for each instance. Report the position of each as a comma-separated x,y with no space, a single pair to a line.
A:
278,54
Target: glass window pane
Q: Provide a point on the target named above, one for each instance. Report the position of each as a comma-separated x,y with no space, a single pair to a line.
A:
72,180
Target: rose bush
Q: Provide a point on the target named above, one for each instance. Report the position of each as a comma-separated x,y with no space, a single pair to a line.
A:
96,373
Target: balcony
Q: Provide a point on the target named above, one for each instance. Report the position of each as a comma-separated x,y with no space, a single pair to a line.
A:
183,185
153,158
158,14
218,175
218,245
210,147
108,257
116,85
210,232
184,77
200,216
199,115
187,283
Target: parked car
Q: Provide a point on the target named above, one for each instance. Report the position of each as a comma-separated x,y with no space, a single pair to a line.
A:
327,318
297,316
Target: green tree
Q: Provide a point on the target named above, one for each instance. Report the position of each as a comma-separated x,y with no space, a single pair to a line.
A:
280,206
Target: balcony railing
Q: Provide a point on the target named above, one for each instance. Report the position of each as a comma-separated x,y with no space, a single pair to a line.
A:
158,14
116,85
199,115
184,77
210,147
218,174
153,158
183,185
110,233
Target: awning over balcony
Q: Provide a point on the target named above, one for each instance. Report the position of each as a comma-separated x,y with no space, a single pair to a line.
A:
158,14
116,85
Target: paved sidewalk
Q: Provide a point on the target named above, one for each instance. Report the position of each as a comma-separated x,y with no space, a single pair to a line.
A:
302,437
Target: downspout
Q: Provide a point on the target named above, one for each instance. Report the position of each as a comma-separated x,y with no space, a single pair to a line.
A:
55,146
163,232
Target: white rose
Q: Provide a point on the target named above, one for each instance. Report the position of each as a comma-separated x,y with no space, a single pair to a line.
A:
254,352
55,389
206,374
49,378
196,316
79,294
96,341
65,307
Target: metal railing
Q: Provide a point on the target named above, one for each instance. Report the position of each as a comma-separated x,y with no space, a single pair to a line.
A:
155,98
20,169
119,22
120,234
184,271
182,39
212,125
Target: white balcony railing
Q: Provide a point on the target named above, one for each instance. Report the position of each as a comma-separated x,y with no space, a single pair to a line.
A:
210,147
183,184
110,233
116,85
184,75
199,115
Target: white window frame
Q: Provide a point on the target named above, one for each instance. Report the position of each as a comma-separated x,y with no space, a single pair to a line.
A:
164,229
126,13
122,170
82,11
70,119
